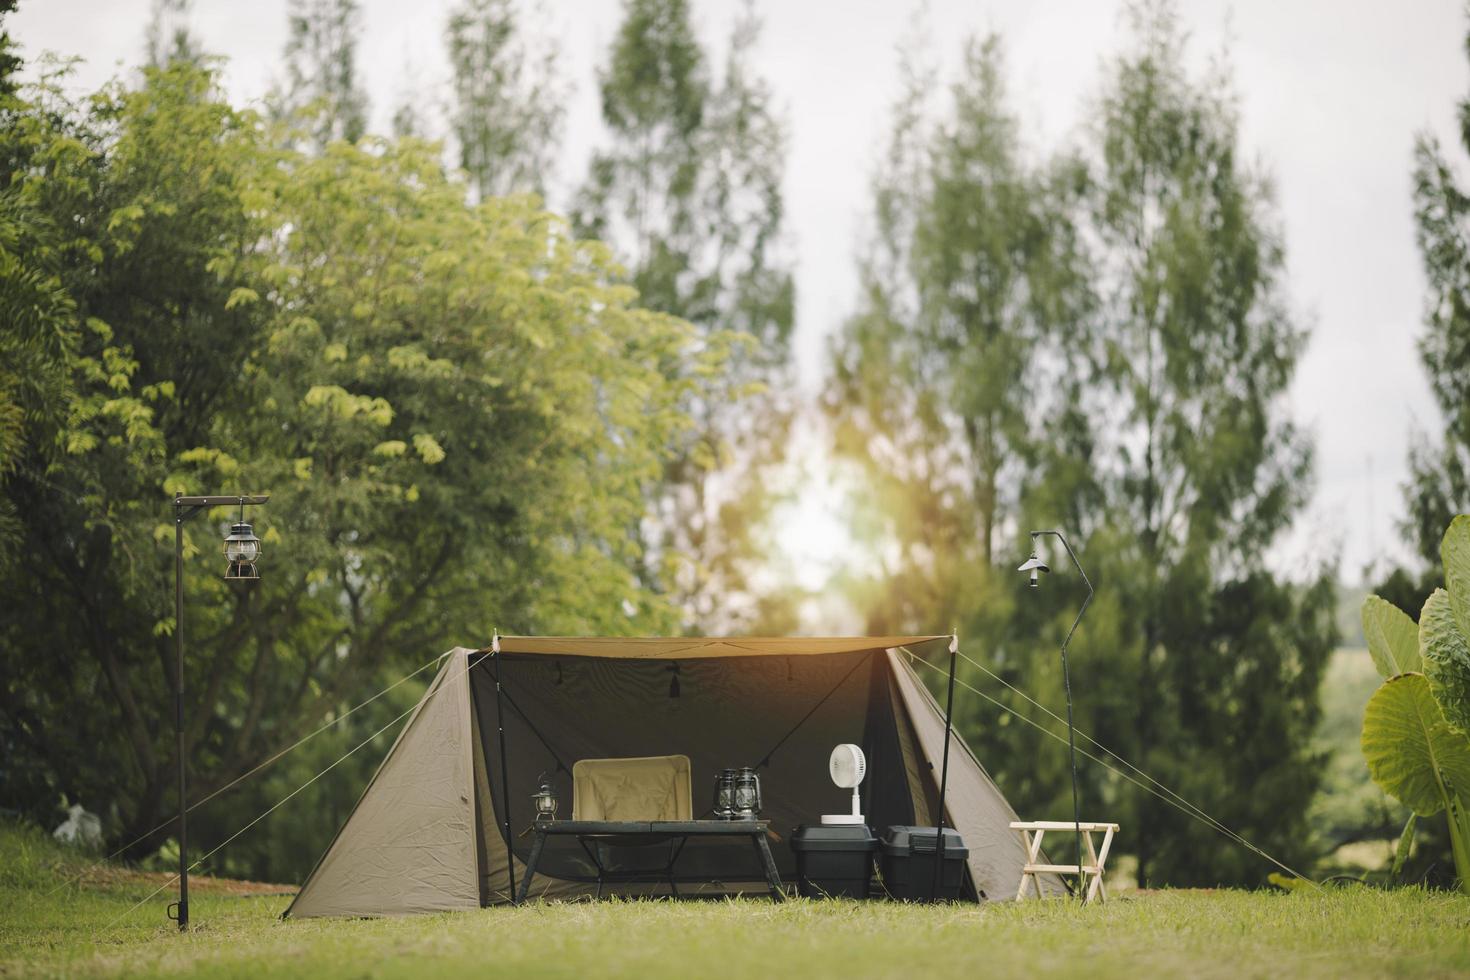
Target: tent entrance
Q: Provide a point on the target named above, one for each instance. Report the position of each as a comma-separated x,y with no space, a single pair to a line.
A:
782,715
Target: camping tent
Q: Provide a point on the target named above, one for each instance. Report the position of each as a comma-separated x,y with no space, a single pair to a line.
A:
430,831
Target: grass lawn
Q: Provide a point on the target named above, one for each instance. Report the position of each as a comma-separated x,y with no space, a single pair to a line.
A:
75,931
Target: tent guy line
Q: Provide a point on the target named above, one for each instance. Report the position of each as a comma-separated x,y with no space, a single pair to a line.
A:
1203,817
283,800
246,775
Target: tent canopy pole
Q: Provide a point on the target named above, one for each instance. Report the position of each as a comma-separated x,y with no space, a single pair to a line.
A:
510,857
954,648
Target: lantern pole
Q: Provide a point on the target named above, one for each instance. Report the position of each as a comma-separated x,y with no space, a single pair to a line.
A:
1067,686
185,508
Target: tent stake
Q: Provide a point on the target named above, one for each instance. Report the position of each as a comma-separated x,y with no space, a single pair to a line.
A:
510,856
954,647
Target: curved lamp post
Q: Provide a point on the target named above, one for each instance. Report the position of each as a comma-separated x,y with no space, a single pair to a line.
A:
1036,567
242,550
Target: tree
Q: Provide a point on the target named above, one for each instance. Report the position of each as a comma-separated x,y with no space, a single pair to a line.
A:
1129,300
689,195
10,62
323,96
455,408
955,387
508,104
1439,474
1198,348
168,37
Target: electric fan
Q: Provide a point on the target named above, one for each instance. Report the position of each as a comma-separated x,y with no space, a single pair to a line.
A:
847,766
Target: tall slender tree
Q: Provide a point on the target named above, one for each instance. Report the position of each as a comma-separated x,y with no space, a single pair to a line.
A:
972,278
1099,342
168,36
10,62
688,193
1439,481
508,101
323,95
1206,468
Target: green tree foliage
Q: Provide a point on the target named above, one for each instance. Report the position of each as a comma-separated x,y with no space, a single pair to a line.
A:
688,192
10,62
37,341
323,96
1132,389
1206,469
168,37
455,408
972,279
1439,481
507,102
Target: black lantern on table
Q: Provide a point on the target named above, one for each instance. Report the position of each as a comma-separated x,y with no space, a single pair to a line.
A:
747,794
725,795
545,800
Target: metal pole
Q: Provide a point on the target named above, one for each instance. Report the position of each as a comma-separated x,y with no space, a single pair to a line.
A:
510,857
1067,684
954,647
179,711
1072,749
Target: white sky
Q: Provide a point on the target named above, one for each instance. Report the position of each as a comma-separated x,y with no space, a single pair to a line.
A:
1332,93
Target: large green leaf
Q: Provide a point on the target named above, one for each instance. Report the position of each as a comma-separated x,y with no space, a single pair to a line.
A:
1393,638
1445,649
1413,755
1454,551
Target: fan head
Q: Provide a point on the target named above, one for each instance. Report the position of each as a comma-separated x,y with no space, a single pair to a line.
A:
848,765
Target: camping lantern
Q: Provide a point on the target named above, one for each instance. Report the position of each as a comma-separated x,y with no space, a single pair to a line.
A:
242,549
545,800
747,794
725,795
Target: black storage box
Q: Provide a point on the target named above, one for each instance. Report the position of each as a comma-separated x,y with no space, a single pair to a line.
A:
909,854
833,860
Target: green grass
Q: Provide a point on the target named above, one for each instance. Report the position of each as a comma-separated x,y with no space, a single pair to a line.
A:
1357,932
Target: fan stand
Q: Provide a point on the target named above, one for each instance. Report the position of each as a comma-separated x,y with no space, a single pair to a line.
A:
850,819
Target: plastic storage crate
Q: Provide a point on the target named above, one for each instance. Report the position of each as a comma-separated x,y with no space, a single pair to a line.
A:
834,861
909,855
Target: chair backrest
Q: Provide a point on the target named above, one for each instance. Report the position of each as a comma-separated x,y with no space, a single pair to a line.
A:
649,788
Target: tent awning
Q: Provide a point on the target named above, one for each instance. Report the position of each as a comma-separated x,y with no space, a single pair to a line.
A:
680,647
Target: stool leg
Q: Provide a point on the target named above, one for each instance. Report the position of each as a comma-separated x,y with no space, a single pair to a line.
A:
1097,872
1102,856
1021,892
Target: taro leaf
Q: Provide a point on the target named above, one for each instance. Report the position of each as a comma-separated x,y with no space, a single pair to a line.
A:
1413,755
1393,638
1454,551
1445,650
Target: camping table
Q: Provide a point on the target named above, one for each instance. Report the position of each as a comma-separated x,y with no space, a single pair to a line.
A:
633,833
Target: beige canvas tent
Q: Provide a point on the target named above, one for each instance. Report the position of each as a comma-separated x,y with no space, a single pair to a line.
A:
442,823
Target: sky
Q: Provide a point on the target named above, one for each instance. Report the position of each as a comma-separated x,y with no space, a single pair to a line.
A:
1331,96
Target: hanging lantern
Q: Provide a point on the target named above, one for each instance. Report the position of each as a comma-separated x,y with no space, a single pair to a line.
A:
242,550
544,800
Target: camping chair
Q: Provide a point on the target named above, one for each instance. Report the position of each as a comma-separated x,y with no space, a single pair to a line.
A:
637,789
